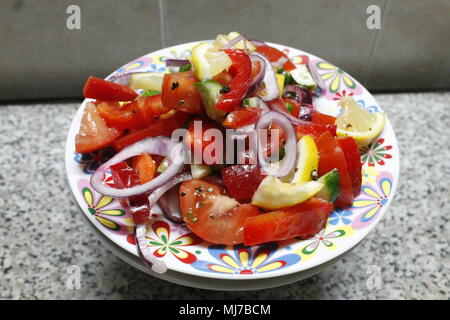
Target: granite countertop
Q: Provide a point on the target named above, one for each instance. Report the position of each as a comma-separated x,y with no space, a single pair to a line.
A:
42,233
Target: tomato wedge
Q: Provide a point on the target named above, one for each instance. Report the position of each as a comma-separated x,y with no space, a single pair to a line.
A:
331,156
273,54
211,214
353,159
163,127
94,134
241,70
302,220
199,141
99,89
179,92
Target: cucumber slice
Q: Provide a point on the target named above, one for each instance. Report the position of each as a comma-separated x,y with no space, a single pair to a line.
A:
199,171
302,76
331,188
251,102
210,93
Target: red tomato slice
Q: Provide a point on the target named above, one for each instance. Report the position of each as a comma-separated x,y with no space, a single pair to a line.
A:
321,118
117,116
179,92
99,89
273,54
163,127
302,220
242,180
212,215
94,133
241,70
353,159
331,156
242,117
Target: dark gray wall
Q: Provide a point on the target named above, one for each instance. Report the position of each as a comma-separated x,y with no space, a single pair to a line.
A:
41,58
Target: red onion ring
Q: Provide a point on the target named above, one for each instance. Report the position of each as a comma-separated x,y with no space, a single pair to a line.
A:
157,145
158,192
258,43
259,77
270,80
288,162
144,251
176,62
230,44
280,62
315,75
170,205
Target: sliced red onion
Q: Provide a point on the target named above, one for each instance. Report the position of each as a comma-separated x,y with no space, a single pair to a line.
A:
258,43
270,80
315,75
144,251
170,205
288,162
280,62
158,192
176,62
121,78
259,77
157,145
230,44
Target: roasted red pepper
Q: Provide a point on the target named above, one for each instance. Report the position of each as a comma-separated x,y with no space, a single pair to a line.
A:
241,70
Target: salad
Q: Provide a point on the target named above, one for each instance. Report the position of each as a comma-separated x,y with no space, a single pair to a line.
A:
228,142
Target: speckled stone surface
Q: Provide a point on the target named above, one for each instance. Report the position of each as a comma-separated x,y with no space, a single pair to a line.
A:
42,232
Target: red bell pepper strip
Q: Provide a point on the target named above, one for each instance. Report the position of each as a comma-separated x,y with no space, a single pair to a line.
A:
302,220
331,156
241,70
353,158
96,88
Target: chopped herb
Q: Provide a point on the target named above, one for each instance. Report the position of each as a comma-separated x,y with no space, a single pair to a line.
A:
290,107
186,67
281,70
247,101
149,93
225,89
175,85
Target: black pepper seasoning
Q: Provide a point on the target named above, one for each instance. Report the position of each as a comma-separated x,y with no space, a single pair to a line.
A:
175,85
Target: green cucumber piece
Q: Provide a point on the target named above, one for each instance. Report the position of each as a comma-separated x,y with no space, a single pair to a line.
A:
251,102
331,188
210,92
302,76
199,171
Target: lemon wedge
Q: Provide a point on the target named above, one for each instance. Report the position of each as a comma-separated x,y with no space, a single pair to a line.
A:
222,40
358,123
146,80
272,193
308,160
208,61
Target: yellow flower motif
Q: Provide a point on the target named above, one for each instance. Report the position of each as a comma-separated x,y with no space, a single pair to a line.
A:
369,175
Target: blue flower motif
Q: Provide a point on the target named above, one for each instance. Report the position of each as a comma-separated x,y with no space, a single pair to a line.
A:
371,109
157,68
93,160
340,214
